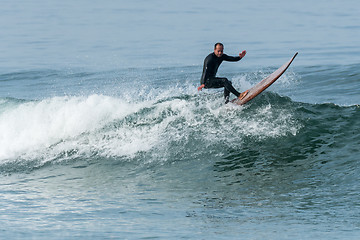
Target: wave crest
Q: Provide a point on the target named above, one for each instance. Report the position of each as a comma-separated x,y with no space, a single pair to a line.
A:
96,125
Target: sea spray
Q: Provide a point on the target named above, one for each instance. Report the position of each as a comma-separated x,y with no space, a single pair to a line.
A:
97,125
36,125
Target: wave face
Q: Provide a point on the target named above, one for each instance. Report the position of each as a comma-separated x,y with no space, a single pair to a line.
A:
162,128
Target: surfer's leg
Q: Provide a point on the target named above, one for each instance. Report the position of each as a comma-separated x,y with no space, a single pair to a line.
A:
216,82
222,82
229,88
227,93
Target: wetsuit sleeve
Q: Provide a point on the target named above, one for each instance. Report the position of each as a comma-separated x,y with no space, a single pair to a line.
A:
203,76
202,80
231,59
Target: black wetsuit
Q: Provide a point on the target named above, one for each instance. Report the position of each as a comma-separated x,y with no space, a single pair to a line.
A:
211,65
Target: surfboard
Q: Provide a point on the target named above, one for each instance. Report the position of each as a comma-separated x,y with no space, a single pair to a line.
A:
264,84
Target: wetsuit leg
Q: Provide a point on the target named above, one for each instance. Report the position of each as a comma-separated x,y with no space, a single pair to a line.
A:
227,93
222,82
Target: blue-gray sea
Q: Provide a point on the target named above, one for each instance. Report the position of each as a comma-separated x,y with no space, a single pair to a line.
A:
103,134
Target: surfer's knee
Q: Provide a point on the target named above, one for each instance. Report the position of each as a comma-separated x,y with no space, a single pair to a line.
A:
226,82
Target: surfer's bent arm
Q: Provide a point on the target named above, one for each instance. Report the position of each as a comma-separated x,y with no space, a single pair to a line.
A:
203,76
202,80
205,73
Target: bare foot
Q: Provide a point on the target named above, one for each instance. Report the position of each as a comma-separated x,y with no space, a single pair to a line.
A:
243,94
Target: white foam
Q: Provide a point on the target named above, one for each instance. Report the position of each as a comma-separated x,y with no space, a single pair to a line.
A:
35,126
162,123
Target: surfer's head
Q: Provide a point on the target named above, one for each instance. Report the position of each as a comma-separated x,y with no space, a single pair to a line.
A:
219,49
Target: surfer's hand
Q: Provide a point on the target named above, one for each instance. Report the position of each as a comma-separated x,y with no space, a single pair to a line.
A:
201,87
242,54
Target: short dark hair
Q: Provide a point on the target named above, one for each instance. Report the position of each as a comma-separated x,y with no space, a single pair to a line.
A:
218,43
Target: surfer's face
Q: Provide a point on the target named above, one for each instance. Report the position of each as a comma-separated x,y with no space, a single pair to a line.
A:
219,50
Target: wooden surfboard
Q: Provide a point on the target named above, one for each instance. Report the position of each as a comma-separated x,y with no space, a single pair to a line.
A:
264,84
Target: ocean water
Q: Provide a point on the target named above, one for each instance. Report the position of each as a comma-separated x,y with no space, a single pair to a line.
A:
103,134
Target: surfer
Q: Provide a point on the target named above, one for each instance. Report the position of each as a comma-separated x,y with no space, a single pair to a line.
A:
211,65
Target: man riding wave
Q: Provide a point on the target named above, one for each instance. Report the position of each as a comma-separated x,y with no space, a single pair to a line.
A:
211,65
